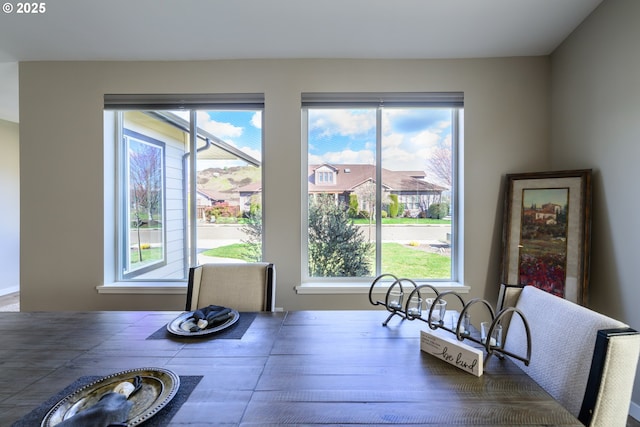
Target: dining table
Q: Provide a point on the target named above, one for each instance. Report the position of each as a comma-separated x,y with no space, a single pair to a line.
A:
327,367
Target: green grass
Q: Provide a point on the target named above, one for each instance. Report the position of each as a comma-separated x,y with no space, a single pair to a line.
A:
405,261
398,259
148,255
230,220
391,221
235,251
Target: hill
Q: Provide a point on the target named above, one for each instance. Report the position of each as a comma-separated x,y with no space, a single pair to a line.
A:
223,179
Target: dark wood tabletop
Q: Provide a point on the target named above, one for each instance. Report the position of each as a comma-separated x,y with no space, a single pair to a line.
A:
297,368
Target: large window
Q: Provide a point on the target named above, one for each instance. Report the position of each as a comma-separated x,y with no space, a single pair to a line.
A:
188,183
381,183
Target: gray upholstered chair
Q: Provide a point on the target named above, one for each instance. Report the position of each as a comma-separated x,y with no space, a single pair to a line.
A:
241,286
585,360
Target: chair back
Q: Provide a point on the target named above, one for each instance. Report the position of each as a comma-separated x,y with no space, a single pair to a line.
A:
585,360
241,286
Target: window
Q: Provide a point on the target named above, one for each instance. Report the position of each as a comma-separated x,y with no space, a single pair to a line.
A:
323,175
144,200
188,182
391,206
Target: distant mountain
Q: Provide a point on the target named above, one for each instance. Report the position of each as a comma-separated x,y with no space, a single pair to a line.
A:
224,179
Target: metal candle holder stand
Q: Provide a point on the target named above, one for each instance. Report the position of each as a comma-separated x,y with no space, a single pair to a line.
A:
461,334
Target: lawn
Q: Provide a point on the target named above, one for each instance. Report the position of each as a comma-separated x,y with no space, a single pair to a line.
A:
406,261
403,220
148,255
400,260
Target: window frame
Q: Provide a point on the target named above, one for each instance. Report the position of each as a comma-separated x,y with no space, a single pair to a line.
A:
123,202
450,100
114,107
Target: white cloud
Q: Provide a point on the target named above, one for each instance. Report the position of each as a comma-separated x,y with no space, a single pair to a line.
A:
219,129
427,138
343,122
346,156
256,120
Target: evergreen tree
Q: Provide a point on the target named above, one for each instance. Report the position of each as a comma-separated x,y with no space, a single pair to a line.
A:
438,210
394,206
353,206
337,247
253,229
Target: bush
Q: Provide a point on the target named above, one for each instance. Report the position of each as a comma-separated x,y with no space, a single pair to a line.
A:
438,210
253,230
222,210
337,247
394,206
353,205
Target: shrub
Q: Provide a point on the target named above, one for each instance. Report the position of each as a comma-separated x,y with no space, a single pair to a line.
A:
353,205
222,210
253,229
337,247
438,210
394,206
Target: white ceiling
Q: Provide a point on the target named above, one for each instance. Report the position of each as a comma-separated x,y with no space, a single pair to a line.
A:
231,29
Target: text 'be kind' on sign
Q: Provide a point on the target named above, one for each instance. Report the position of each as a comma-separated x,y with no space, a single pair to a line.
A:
446,347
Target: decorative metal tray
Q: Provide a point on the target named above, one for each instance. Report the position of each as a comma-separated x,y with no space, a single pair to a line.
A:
175,325
159,386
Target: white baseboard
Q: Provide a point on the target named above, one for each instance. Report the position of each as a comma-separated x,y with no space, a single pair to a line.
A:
634,411
9,290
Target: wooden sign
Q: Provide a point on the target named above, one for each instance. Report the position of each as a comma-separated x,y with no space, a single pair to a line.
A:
446,346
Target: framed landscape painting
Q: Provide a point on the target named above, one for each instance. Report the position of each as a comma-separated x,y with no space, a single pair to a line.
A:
546,235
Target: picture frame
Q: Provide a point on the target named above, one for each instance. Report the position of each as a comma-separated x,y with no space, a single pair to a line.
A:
547,232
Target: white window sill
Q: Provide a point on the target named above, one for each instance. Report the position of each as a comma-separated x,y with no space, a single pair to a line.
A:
311,288
156,288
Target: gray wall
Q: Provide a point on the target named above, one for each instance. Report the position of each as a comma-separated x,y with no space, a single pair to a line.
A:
506,130
9,208
596,124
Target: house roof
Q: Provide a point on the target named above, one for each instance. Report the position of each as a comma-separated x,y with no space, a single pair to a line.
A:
350,176
213,194
214,148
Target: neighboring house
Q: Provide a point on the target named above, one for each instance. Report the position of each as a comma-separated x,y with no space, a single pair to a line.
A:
414,193
246,194
208,198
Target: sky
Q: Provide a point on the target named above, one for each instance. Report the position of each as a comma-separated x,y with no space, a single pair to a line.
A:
345,135
349,135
